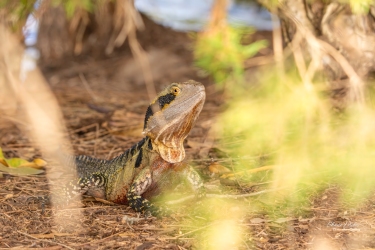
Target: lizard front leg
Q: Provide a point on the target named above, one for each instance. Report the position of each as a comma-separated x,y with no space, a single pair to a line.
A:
195,181
137,188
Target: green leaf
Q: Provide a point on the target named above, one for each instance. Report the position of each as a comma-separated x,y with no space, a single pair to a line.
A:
19,162
252,49
16,162
20,171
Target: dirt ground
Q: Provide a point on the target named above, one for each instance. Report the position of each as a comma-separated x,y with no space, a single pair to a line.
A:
103,102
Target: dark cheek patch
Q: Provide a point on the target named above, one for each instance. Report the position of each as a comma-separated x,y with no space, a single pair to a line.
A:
149,113
165,99
162,101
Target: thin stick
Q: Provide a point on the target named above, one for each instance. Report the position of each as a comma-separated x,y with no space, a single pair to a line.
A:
223,196
96,137
195,230
236,196
277,45
52,242
87,87
250,171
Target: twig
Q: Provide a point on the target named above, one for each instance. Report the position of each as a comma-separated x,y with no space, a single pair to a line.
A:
236,196
52,242
87,87
189,197
131,220
109,155
195,230
223,196
140,54
250,171
96,137
82,128
278,45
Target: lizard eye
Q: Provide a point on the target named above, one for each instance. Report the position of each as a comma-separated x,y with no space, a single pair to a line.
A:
175,90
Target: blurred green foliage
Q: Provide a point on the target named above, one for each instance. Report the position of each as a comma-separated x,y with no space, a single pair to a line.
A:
71,6
221,53
14,13
309,144
360,6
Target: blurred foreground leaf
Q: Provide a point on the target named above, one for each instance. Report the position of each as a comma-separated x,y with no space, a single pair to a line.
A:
283,123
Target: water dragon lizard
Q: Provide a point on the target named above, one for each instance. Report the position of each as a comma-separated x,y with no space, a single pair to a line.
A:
152,164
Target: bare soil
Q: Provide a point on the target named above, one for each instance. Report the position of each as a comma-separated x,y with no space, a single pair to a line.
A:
103,102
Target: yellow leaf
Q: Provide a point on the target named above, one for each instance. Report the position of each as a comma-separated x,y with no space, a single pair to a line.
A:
16,162
39,162
36,163
216,168
1,154
2,161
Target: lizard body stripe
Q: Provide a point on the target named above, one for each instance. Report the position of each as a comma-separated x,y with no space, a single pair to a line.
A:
149,145
139,159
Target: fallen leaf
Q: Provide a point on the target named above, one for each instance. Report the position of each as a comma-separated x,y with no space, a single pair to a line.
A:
19,162
2,158
20,171
8,196
40,162
216,168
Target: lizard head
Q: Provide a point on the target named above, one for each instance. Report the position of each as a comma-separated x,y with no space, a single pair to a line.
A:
170,117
